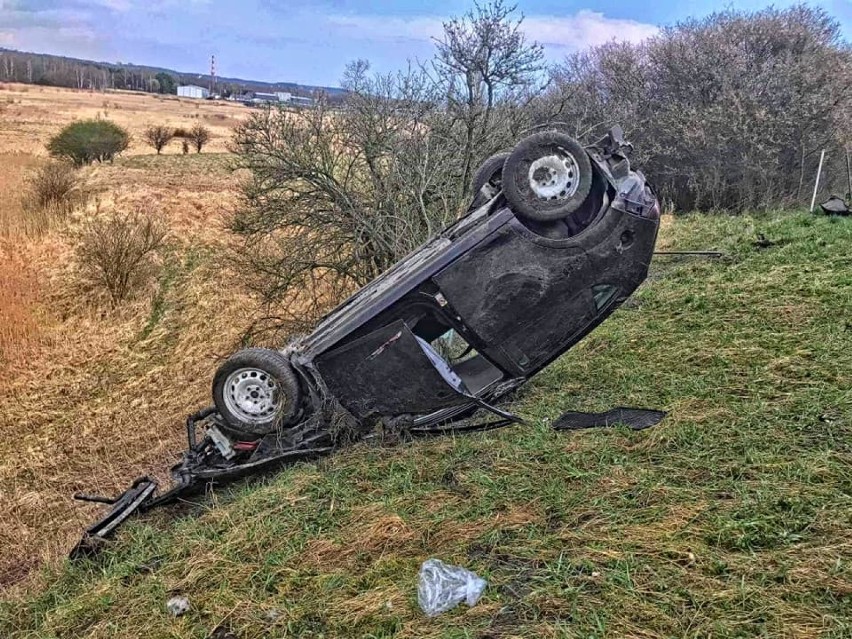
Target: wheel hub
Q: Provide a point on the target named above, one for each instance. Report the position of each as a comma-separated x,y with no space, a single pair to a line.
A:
252,394
554,177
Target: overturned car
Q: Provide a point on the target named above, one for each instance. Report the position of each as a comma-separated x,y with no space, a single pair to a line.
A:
556,238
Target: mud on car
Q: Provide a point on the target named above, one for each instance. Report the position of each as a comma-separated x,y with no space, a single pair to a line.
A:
557,237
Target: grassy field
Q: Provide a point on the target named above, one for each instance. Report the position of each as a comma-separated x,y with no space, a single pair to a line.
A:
91,395
733,518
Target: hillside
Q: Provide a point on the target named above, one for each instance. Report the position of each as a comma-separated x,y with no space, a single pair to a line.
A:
84,388
733,518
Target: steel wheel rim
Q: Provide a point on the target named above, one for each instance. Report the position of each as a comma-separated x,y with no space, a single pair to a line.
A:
252,395
555,176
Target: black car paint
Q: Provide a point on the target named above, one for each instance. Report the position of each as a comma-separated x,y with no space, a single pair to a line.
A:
520,298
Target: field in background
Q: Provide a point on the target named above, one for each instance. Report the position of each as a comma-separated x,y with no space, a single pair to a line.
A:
31,114
91,397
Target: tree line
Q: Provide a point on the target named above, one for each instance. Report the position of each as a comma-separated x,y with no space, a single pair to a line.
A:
728,112
52,70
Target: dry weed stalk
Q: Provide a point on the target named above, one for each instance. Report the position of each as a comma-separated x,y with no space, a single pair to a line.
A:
18,320
51,194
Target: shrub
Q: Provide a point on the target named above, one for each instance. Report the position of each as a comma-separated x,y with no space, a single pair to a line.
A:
729,111
86,141
180,132
158,136
117,253
199,135
52,192
55,185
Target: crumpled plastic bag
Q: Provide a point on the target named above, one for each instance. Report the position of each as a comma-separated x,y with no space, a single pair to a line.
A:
178,606
441,587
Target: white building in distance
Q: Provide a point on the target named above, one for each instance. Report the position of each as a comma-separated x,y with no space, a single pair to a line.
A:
193,91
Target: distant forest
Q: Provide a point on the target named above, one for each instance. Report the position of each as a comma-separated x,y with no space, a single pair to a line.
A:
58,71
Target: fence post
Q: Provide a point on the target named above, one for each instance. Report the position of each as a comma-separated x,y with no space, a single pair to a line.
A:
816,184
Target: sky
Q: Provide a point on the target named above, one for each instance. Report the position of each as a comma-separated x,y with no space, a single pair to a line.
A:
310,41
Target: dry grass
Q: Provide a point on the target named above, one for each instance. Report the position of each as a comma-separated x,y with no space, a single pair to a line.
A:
15,169
33,114
19,311
91,397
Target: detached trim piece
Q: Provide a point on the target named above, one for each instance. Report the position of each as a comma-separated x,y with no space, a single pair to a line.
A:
124,506
635,418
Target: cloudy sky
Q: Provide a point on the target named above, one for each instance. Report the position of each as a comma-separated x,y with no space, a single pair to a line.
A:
310,41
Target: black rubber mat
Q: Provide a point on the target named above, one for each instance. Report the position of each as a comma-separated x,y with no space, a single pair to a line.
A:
635,418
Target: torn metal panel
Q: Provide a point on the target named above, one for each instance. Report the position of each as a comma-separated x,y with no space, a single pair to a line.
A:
386,373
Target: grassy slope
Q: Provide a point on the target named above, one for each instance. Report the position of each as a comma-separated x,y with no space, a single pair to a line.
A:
733,518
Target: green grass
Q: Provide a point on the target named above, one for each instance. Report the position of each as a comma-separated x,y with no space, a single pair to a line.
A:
733,518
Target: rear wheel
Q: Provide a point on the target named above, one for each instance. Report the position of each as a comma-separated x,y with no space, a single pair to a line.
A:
489,172
547,177
256,391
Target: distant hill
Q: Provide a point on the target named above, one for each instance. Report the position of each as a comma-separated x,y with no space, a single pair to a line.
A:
54,70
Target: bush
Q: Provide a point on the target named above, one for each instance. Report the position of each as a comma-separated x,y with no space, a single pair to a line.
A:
158,136
727,112
54,184
180,132
117,253
52,193
199,135
86,141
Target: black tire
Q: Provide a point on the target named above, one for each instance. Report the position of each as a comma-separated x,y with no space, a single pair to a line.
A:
263,397
489,171
578,176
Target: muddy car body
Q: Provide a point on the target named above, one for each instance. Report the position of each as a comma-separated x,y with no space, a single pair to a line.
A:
556,239
515,293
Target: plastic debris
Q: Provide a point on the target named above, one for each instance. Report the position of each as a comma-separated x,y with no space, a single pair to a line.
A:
441,587
178,606
835,206
272,615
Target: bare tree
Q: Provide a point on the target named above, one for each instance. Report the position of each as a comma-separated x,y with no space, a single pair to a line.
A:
200,136
158,136
337,197
483,61
117,252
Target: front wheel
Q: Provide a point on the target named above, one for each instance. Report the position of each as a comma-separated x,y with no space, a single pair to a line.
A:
256,391
547,177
